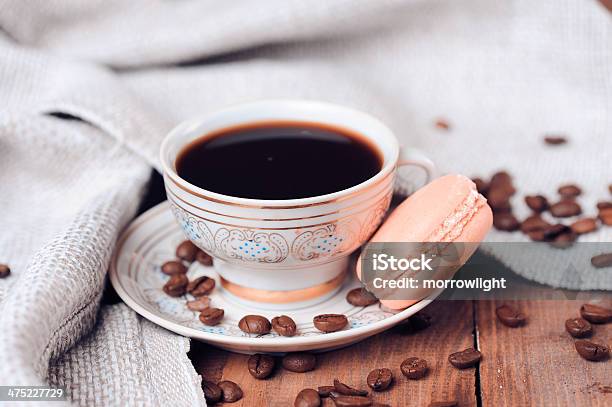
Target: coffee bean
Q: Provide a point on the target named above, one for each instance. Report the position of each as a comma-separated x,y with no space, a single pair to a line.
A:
201,286
173,267
442,124
347,390
299,362
352,401
510,316
324,391
498,200
534,223
500,179
231,391
505,221
537,203
176,285
536,235
284,325
204,258
604,205
211,316
464,359
447,403
569,191
360,297
5,271
198,304
414,368
578,327
585,225
260,366
610,188
255,324
602,260
380,379
187,251
564,240
307,398
419,321
555,140
595,313
591,350
553,232
605,216
565,209
481,185
330,322
212,392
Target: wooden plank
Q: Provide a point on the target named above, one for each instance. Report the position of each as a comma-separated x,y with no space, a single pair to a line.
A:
450,332
537,365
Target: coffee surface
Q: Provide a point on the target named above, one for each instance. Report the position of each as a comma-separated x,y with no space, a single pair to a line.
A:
278,161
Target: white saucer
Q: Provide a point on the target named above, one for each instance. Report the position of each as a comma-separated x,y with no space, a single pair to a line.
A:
151,240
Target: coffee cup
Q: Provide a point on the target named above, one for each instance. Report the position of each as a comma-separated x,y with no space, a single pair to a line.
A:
307,240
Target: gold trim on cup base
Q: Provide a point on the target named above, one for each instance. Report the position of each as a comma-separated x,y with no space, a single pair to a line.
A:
282,297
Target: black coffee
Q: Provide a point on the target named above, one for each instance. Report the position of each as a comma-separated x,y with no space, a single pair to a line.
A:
278,160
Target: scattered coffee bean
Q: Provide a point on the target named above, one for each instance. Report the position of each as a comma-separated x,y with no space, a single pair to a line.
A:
534,223
5,271
564,240
347,390
204,258
506,222
360,297
554,140
553,231
591,350
380,379
198,304
510,316
201,286
565,209
211,316
610,188
173,267
569,191
481,185
352,401
187,251
255,324
330,322
446,403
595,313
501,179
419,321
605,216
498,200
176,285
231,391
260,366
284,325
324,391
212,392
578,327
442,124
414,368
585,225
299,362
536,203
604,205
464,359
307,398
602,260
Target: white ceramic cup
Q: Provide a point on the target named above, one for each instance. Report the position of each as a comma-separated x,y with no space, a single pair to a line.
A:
284,253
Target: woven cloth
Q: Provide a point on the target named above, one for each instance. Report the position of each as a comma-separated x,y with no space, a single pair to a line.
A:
501,73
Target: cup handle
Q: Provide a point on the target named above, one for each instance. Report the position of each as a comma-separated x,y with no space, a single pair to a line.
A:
414,158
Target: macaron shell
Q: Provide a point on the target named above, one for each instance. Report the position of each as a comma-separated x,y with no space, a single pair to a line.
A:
447,209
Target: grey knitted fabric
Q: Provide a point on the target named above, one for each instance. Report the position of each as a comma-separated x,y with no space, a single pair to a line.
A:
502,74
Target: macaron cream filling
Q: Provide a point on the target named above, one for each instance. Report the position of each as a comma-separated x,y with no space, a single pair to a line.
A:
453,225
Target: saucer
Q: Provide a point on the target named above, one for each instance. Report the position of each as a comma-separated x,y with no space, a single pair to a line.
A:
151,240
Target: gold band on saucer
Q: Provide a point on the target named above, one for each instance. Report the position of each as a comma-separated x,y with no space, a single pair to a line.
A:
282,297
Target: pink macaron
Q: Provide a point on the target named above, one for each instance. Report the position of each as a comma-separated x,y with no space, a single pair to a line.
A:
449,209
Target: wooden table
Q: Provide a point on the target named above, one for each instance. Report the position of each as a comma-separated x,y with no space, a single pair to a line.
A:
534,365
